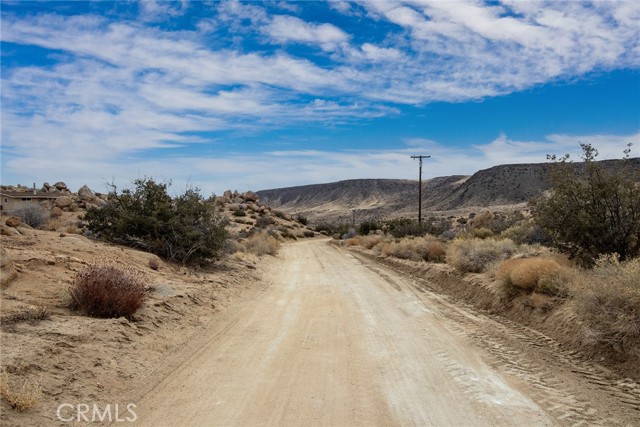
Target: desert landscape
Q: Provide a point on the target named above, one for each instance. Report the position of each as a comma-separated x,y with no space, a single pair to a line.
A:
293,325
336,213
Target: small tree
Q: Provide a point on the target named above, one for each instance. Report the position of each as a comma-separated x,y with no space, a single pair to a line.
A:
185,229
593,209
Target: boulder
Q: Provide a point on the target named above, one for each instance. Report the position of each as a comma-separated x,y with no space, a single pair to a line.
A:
64,201
61,186
56,212
86,194
234,207
250,196
13,221
228,194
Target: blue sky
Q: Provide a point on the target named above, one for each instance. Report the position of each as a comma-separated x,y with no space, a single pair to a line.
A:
257,95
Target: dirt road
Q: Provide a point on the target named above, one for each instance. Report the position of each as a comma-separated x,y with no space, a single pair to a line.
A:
339,341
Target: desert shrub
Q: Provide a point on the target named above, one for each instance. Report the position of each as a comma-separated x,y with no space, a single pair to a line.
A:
416,249
525,233
592,209
608,300
402,227
302,219
19,397
280,214
103,290
476,255
481,232
448,235
368,226
262,244
503,221
533,274
33,215
333,228
239,212
288,235
308,233
185,228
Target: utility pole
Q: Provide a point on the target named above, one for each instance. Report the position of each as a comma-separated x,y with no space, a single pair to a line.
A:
420,186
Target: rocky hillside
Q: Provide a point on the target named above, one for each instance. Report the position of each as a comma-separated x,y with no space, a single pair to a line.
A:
497,187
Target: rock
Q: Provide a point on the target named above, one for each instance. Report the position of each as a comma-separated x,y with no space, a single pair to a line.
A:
13,221
60,186
228,194
250,196
234,207
64,201
7,270
56,212
253,207
86,194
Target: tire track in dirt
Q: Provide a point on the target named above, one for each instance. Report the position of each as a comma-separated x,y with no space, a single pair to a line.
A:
573,390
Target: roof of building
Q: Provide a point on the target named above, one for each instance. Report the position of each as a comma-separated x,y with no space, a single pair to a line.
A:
30,194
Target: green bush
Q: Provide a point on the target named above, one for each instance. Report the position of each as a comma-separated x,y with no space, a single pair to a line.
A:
184,229
239,212
593,209
302,219
368,226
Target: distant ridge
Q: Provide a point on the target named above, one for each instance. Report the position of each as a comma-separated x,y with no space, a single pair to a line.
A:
503,187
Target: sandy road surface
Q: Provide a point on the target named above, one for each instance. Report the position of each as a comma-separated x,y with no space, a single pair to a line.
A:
337,342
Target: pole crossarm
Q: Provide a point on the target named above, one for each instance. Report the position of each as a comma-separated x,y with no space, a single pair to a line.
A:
420,158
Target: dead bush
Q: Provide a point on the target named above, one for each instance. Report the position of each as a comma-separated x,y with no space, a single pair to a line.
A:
103,290
476,256
608,300
262,244
19,397
533,274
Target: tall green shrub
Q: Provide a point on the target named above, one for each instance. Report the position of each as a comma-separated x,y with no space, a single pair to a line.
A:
592,209
184,228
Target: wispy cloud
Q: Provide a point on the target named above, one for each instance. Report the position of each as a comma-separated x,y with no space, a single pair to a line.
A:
110,90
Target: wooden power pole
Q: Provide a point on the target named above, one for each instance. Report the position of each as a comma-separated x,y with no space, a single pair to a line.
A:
420,186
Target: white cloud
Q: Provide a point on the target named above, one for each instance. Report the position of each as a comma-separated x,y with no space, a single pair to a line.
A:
285,29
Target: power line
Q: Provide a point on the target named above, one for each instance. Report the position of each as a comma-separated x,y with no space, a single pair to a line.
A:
420,186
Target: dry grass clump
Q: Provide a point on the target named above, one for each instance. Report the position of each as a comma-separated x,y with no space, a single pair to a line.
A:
103,290
608,299
476,255
262,244
413,248
534,274
367,242
30,314
19,397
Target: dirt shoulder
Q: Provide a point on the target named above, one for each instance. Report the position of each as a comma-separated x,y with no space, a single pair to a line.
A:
76,359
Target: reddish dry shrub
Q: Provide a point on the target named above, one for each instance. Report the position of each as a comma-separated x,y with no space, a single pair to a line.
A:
102,290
